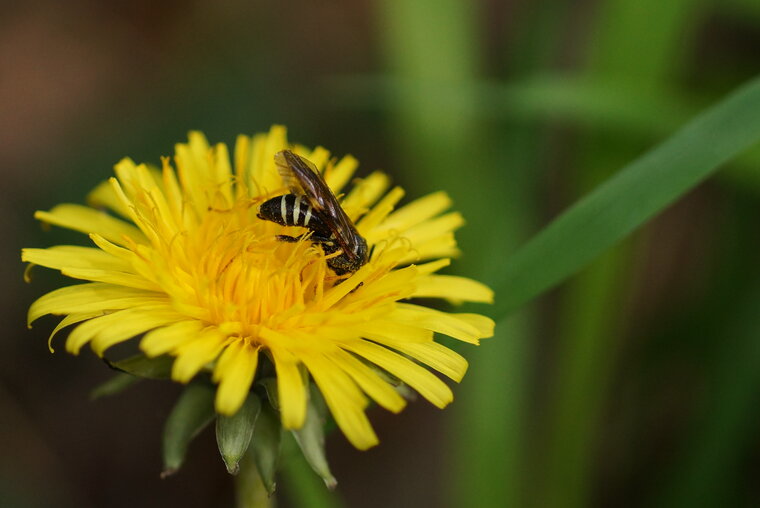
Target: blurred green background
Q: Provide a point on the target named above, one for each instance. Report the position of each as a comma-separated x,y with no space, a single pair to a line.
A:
635,383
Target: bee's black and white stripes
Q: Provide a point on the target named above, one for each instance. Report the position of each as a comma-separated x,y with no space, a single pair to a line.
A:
293,210
312,205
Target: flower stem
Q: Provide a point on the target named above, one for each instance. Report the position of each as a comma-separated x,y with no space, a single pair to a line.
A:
249,489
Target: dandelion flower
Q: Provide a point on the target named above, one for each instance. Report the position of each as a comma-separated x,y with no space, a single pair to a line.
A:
180,259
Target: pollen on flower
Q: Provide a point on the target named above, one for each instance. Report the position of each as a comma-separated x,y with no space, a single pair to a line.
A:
236,275
181,259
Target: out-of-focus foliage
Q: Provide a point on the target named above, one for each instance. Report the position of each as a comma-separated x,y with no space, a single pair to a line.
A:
634,383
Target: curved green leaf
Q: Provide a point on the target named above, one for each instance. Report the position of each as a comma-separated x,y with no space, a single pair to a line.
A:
630,198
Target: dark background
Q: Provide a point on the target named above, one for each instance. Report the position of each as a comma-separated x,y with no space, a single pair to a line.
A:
636,383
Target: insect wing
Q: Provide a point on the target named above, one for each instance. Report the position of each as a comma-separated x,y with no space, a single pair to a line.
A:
285,160
302,177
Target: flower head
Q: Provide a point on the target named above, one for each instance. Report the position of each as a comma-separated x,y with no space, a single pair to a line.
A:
180,257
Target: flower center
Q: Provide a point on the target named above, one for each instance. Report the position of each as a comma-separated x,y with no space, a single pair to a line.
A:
232,271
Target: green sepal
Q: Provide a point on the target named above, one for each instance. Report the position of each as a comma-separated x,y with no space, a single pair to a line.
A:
131,370
116,384
233,433
311,438
193,411
140,365
270,386
265,446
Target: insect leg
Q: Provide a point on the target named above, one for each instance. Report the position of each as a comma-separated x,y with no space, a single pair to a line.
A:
288,238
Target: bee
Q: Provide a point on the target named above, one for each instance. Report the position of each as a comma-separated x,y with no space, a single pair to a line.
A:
312,205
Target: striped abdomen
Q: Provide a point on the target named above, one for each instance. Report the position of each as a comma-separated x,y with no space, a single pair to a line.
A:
293,210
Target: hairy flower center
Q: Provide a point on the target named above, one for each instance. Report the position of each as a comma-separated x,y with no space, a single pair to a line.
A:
235,273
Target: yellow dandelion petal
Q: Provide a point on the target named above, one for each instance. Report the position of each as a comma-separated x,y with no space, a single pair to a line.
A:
134,178
290,388
118,326
193,355
337,176
429,386
222,175
345,401
408,332
453,288
416,212
433,266
192,160
234,372
173,196
91,297
434,229
434,355
437,247
242,155
262,173
70,256
365,193
339,291
380,211
133,259
103,196
69,320
142,220
129,280
369,381
150,207
397,284
453,325
87,220
188,258
319,157
128,326
483,324
165,339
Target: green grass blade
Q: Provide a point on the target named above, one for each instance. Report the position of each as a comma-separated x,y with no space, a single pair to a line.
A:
644,40
589,323
432,50
590,315
492,425
488,430
432,142
631,197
